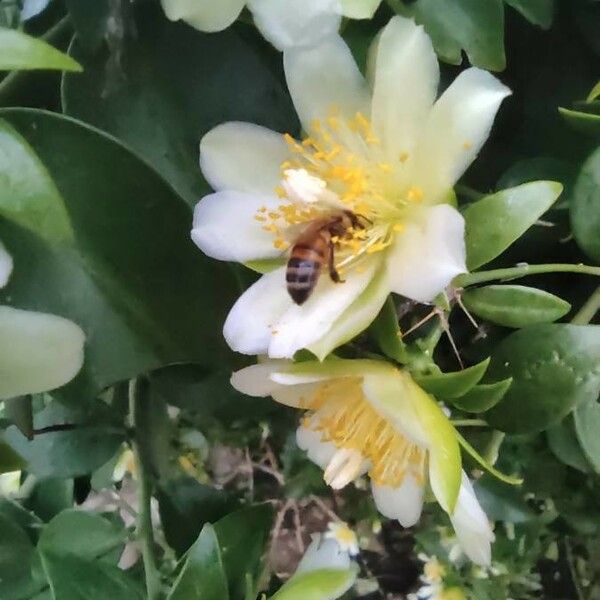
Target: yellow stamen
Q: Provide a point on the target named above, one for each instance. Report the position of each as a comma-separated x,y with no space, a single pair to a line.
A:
415,194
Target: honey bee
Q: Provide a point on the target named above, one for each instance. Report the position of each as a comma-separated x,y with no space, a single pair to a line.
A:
313,248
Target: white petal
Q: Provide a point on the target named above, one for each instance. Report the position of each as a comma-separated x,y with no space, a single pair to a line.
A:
359,9
318,451
405,86
325,78
323,554
404,503
428,254
243,157
457,127
356,318
38,352
205,15
288,23
249,326
6,265
301,326
471,525
255,380
225,228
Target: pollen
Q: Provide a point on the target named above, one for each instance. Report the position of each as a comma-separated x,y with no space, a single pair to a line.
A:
467,146
415,194
399,227
341,412
404,156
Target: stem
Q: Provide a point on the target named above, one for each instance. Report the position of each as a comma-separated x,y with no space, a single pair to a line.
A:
469,423
588,311
515,272
144,529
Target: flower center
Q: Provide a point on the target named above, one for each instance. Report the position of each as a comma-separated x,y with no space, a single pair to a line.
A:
340,166
341,412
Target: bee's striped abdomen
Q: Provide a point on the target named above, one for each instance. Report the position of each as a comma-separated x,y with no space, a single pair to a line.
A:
304,268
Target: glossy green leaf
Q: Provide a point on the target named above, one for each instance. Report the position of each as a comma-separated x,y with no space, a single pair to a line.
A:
495,222
184,500
585,207
564,444
137,285
203,576
538,12
482,397
321,584
78,579
91,19
21,51
9,459
584,122
169,92
554,368
460,25
20,412
514,305
71,452
243,562
82,534
16,550
452,385
502,502
587,428
387,333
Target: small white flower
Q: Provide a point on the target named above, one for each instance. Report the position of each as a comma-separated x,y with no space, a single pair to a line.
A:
344,536
285,23
381,148
364,416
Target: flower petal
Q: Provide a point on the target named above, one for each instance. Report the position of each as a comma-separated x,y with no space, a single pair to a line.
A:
471,525
405,86
225,227
289,23
205,15
301,326
428,254
404,503
457,127
357,317
6,265
243,157
249,326
325,78
323,554
38,352
318,451
359,9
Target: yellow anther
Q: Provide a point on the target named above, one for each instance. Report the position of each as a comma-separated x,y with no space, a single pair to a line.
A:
415,194
361,120
378,247
260,218
399,227
280,244
404,156
280,192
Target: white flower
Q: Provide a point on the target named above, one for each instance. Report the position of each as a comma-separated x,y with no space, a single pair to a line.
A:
384,150
344,536
285,23
365,416
38,351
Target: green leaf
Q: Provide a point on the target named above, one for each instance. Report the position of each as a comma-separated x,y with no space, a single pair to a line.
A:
482,397
132,267
243,562
587,428
554,368
563,442
162,111
21,51
184,500
19,411
495,222
74,578
203,576
579,120
321,584
50,497
82,534
585,207
538,12
475,26
9,459
386,331
16,551
502,502
91,19
70,453
452,385
514,305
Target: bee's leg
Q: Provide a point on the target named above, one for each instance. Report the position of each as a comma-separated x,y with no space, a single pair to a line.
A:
335,276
